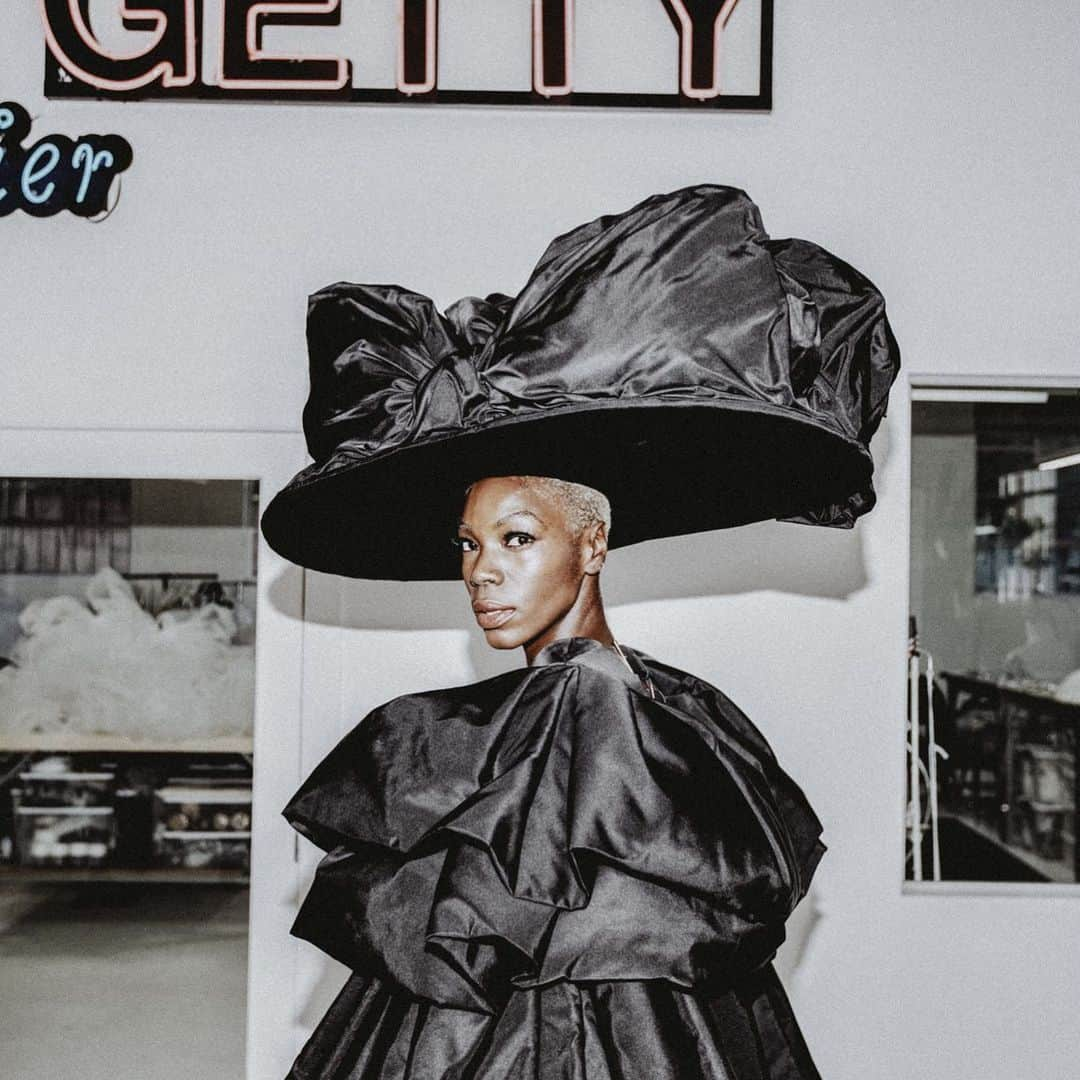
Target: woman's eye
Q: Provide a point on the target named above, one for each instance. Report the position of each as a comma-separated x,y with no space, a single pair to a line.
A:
462,543
525,538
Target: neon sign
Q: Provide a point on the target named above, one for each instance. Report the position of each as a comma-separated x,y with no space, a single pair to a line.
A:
56,173
717,53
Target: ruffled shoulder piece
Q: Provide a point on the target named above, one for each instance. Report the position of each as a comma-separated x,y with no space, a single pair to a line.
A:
554,823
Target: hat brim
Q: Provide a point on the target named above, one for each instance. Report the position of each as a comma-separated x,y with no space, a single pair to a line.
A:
667,469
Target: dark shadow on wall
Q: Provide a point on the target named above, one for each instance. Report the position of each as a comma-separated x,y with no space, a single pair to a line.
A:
799,928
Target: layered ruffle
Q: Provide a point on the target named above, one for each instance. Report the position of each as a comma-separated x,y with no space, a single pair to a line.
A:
551,825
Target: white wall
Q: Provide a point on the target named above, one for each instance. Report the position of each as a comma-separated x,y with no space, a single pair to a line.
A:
933,146
228,551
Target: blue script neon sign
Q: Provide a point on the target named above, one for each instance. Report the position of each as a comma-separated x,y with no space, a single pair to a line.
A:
56,173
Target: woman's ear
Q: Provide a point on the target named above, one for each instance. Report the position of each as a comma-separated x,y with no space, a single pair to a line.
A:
595,547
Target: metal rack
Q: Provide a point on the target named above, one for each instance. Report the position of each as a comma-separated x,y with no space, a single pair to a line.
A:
140,772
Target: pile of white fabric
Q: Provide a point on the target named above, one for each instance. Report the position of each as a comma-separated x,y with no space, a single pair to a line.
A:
108,666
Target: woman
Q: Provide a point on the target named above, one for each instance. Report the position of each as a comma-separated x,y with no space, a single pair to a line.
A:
531,553
579,869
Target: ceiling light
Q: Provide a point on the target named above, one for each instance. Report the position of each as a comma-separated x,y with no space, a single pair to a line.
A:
1060,462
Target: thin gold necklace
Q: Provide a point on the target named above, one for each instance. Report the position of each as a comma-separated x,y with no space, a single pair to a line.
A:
648,681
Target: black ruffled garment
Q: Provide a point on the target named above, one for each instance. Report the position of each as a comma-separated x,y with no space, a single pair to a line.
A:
551,875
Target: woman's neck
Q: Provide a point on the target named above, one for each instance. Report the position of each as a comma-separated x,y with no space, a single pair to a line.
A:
585,619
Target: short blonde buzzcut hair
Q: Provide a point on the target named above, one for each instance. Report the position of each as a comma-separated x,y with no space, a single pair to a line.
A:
584,506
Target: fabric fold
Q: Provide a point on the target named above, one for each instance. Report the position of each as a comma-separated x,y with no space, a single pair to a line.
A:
566,1031
554,824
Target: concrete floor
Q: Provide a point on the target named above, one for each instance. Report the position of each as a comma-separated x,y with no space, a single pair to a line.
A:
123,982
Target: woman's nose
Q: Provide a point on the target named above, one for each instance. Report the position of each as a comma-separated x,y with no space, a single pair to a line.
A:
484,572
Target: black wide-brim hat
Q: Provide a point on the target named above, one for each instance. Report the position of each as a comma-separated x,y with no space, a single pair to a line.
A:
674,357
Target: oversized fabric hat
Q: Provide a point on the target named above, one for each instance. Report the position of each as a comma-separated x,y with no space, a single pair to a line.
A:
673,356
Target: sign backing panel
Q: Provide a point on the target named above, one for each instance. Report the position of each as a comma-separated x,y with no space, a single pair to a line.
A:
712,54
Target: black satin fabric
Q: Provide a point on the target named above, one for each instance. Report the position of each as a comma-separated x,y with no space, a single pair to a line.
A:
550,875
698,372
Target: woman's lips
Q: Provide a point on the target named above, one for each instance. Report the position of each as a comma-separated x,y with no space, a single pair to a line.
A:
488,620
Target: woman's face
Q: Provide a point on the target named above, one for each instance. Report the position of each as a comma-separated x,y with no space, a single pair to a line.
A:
522,565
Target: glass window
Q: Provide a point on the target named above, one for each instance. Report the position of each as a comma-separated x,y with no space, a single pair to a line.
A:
127,687
995,606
